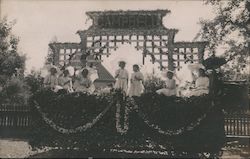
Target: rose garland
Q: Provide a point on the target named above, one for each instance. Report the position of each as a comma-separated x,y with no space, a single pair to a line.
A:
62,130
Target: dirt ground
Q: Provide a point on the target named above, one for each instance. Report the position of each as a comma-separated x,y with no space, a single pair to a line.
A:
14,148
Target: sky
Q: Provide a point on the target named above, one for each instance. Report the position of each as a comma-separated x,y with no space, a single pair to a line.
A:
38,22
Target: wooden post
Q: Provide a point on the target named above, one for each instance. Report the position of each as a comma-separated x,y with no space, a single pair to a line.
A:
201,50
137,43
84,48
64,56
178,59
192,55
115,42
170,51
107,46
144,49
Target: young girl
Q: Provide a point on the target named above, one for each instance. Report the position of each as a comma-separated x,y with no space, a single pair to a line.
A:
83,83
51,80
170,86
122,77
136,87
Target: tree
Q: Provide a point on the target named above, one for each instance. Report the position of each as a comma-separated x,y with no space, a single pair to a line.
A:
230,29
11,61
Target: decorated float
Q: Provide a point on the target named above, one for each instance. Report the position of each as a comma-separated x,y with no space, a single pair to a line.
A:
112,121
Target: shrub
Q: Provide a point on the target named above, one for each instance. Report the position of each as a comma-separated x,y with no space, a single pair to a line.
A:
15,92
153,83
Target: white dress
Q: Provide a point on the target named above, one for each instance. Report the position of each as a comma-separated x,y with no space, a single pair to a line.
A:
136,87
170,89
83,85
93,73
122,79
201,87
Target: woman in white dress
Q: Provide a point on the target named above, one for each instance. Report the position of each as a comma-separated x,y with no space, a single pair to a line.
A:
170,86
136,87
201,84
83,83
122,77
65,81
51,80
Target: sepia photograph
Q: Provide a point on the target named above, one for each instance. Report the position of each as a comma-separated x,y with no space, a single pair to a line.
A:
125,79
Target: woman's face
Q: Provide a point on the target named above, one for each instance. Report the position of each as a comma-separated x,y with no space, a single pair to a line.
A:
122,65
53,71
201,73
135,69
170,75
85,73
66,73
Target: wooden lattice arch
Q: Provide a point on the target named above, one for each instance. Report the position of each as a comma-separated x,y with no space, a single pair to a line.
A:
145,29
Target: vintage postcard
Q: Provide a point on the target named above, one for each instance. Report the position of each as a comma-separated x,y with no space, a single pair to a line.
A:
124,79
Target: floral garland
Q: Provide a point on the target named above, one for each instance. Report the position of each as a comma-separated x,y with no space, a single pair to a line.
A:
174,132
129,105
62,130
121,129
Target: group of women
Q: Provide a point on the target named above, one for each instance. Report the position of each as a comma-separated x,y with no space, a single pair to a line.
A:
199,85
83,82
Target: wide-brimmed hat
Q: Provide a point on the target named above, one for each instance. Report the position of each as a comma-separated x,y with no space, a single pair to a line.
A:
195,66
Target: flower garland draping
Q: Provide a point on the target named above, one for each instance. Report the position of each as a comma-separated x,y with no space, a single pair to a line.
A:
122,128
124,106
172,132
153,111
62,130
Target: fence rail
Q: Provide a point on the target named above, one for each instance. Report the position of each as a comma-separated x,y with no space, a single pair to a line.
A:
18,119
14,115
237,124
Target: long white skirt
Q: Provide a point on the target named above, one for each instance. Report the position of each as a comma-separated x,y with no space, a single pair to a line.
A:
121,84
167,92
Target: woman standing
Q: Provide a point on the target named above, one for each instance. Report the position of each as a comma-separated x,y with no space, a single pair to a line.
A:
136,87
122,77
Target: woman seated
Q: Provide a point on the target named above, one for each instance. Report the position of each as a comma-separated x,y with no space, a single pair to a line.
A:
65,81
170,86
83,83
51,80
201,84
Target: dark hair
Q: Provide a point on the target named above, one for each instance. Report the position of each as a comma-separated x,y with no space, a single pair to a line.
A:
136,66
53,70
122,62
170,73
202,72
65,72
85,71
